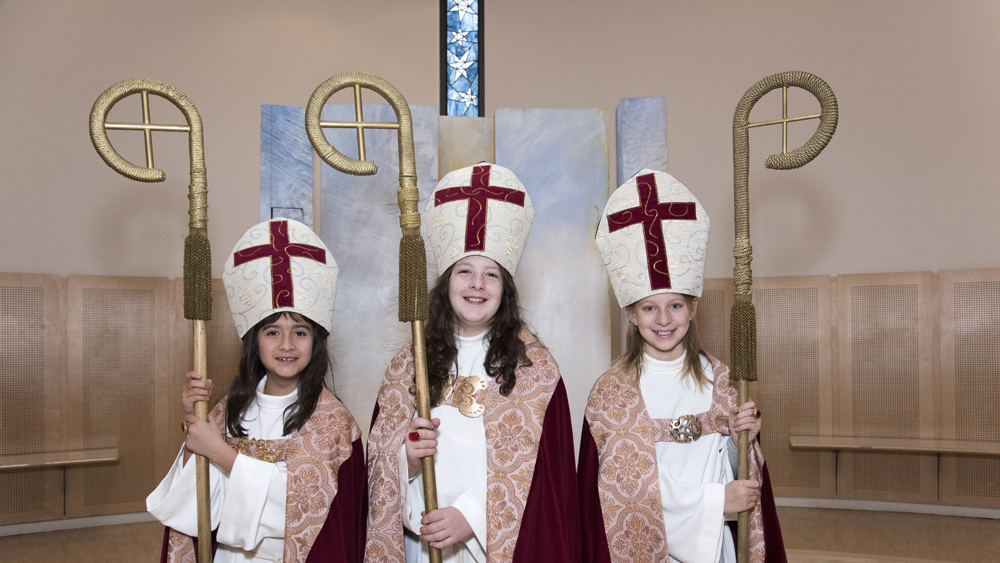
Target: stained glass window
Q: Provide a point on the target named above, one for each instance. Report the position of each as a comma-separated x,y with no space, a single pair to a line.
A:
462,57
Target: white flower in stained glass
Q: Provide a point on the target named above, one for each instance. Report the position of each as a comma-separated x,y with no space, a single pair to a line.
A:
464,7
467,98
459,36
460,64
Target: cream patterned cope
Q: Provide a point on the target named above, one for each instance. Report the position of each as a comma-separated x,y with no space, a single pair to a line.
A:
313,456
628,481
513,432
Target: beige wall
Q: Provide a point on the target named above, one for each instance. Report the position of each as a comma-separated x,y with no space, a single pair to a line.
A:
908,182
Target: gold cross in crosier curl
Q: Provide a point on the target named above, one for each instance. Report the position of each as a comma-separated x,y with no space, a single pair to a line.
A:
784,121
147,127
357,81
359,123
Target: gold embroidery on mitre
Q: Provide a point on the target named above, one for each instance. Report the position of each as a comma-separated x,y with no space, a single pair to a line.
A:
301,298
465,400
246,297
437,222
455,252
513,245
325,274
621,271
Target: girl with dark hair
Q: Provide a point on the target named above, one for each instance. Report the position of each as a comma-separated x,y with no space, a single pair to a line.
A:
500,431
658,451
287,469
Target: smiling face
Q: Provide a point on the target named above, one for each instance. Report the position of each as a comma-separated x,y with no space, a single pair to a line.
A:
285,349
474,291
663,320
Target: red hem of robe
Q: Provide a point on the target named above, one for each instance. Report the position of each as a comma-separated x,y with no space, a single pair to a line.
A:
550,525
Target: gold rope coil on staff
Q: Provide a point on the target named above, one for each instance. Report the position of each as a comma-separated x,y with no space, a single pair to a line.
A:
197,251
412,253
743,320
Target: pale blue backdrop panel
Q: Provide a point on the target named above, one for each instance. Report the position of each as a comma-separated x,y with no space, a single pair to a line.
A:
561,157
286,165
641,134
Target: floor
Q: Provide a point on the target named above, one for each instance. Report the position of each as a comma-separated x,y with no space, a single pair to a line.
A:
811,536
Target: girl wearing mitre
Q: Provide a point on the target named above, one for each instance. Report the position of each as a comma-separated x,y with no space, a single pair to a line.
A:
287,471
658,451
500,430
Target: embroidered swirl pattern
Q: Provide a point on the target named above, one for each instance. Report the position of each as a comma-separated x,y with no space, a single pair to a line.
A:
313,456
628,483
513,430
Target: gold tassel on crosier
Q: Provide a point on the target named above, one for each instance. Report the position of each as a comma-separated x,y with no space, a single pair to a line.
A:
412,253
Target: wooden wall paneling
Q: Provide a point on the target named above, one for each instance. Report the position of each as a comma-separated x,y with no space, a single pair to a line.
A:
714,308
886,378
795,380
31,393
970,383
173,382
118,349
224,349
224,346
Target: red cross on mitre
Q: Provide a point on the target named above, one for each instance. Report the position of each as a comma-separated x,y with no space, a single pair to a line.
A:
651,214
478,193
280,252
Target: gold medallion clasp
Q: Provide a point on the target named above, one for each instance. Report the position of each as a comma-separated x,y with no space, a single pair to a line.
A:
685,429
465,396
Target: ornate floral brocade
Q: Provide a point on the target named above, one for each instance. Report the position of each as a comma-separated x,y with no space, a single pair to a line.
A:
628,482
513,430
313,456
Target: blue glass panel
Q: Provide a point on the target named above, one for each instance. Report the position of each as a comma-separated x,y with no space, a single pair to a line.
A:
462,53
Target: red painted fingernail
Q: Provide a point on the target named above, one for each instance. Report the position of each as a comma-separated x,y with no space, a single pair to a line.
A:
414,436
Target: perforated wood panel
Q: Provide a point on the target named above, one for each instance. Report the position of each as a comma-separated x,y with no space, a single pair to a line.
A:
223,352
118,348
887,383
970,383
224,347
794,386
713,317
30,374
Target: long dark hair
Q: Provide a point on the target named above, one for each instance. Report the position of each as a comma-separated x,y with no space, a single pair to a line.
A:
635,346
506,352
244,388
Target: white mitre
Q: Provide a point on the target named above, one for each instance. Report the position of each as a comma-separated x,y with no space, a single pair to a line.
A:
480,210
280,265
653,236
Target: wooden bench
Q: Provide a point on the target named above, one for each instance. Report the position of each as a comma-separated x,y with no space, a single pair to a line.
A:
54,459
894,444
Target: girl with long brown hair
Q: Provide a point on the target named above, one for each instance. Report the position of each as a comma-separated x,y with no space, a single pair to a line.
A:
287,469
499,429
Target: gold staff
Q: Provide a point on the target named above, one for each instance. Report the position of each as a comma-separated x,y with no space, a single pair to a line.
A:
743,323
412,255
197,252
